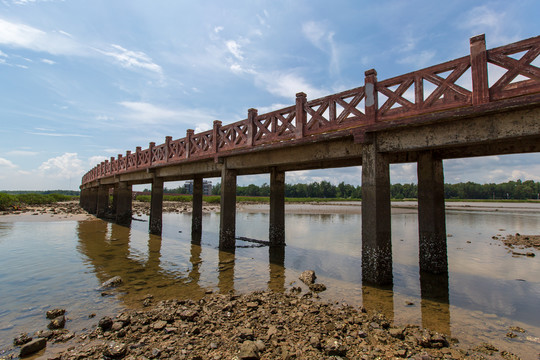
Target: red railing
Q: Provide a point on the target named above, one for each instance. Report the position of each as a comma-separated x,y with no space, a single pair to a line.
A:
454,84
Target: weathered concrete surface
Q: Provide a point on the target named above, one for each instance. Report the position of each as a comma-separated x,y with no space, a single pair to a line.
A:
277,208
124,203
227,226
156,206
102,200
376,233
431,214
197,210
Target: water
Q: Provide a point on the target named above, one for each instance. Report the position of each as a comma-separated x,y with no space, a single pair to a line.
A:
61,263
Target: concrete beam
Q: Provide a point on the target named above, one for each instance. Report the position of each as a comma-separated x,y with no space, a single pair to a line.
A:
277,208
156,206
227,225
431,215
376,234
488,129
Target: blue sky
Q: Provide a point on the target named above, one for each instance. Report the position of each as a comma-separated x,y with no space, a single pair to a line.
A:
82,81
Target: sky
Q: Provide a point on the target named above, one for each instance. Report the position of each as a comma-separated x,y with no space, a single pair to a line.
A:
81,80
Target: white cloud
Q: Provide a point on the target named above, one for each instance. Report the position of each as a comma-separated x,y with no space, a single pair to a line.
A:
3,54
47,61
64,166
132,59
97,159
420,60
6,164
234,49
218,29
288,85
323,39
55,134
28,37
146,113
486,20
22,153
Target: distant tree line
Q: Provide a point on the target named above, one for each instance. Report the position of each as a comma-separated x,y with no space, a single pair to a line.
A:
509,190
44,192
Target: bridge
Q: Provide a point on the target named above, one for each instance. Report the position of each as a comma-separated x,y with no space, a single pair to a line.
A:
450,110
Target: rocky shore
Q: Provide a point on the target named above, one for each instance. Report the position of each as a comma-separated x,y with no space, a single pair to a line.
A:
259,325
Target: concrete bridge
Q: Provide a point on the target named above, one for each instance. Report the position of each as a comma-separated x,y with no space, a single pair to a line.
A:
445,111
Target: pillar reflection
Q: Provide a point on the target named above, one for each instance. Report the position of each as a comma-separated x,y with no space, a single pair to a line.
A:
435,302
276,265
195,260
379,298
226,271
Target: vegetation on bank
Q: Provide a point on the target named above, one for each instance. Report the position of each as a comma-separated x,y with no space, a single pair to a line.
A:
315,191
16,201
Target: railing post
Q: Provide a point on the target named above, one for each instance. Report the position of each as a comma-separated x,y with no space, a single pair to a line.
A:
128,153
119,158
167,144
301,116
252,129
189,134
151,148
372,101
215,135
112,165
138,150
480,85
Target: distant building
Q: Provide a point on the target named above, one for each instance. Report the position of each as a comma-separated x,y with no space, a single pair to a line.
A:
207,187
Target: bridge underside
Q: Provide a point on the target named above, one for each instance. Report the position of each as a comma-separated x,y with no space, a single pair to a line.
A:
428,143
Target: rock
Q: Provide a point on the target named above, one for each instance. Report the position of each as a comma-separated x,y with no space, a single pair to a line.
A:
307,277
246,333
334,347
317,287
57,323
54,313
117,325
33,347
116,350
111,283
159,325
105,323
22,339
248,351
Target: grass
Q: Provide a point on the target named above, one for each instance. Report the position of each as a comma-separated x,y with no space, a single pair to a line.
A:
8,201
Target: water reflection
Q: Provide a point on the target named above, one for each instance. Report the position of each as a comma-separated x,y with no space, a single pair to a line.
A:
435,302
226,272
276,267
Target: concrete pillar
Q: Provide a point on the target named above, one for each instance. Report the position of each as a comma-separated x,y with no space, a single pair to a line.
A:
196,215
376,234
156,206
92,200
227,226
431,215
102,200
124,195
83,198
277,207
114,203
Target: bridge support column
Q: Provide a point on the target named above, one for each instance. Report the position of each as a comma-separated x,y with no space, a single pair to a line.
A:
227,226
92,200
277,207
196,215
376,234
102,200
431,214
114,203
83,199
156,206
124,201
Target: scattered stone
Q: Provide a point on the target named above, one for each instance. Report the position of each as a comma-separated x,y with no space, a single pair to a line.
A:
105,323
22,339
54,313
116,350
33,347
308,277
111,283
517,329
248,351
317,287
57,323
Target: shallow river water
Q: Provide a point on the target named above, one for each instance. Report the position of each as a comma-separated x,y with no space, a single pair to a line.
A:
61,263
